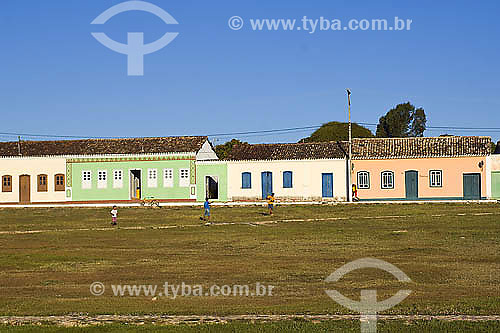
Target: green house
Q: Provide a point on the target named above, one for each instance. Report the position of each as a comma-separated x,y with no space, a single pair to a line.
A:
169,169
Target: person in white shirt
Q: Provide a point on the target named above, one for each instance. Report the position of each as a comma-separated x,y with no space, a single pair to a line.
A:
114,215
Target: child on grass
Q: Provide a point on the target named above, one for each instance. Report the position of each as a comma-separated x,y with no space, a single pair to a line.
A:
206,215
114,215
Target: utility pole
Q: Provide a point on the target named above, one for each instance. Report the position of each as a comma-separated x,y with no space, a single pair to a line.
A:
349,163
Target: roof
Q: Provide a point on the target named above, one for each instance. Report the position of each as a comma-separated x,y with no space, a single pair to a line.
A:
372,148
179,144
451,146
287,151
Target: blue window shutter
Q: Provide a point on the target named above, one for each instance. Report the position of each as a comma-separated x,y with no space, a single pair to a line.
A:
246,180
287,179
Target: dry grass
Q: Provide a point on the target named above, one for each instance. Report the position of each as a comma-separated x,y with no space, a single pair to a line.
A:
453,259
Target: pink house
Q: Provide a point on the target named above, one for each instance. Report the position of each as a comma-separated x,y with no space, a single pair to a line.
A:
428,168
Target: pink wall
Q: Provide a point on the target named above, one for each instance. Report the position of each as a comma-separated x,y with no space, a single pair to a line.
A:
453,170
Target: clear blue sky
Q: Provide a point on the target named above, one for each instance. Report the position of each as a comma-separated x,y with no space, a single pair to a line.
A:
57,79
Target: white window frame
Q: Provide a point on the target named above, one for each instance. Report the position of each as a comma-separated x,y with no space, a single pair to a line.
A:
385,176
102,179
184,180
117,178
168,177
86,183
436,178
365,175
153,177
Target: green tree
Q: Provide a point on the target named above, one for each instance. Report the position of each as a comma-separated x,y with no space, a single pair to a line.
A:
401,122
337,131
223,150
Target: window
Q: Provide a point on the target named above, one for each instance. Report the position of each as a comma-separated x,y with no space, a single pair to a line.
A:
6,183
168,177
86,179
117,179
363,179
102,179
59,182
246,180
42,183
387,180
152,178
436,178
184,177
287,179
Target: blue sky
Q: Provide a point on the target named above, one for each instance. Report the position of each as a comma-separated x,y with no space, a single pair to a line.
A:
57,79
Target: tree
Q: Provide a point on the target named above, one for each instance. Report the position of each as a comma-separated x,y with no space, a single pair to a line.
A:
225,149
402,121
337,131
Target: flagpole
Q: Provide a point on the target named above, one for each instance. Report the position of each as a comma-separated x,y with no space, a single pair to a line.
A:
349,164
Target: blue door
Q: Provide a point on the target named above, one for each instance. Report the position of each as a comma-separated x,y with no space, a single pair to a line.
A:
327,191
267,184
411,185
472,186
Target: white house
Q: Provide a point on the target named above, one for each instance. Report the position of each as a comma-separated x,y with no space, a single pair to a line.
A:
294,172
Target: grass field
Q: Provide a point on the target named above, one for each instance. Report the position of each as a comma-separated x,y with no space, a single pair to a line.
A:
450,251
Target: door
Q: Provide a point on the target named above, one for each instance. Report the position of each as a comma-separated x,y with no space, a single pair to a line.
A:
411,184
135,184
267,184
472,186
24,189
211,187
495,184
327,187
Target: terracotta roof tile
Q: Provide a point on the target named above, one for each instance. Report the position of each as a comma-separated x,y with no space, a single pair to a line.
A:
287,151
421,147
104,146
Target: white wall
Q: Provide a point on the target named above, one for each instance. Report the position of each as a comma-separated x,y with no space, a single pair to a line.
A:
492,164
33,166
307,179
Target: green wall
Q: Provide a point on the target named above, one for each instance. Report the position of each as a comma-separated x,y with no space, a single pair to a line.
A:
110,193
495,185
218,169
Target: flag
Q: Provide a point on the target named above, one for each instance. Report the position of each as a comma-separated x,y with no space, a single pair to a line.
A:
348,97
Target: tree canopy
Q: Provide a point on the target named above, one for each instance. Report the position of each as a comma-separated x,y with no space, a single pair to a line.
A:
337,131
223,150
402,121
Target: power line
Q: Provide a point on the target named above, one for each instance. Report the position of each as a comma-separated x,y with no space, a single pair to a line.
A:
246,133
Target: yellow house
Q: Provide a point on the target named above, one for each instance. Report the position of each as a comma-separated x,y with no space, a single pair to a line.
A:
427,168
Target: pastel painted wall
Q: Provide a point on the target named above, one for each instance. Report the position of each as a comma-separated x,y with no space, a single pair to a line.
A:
33,166
306,178
123,193
453,170
494,173
216,169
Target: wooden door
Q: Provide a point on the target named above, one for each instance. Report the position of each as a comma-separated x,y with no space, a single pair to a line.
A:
24,189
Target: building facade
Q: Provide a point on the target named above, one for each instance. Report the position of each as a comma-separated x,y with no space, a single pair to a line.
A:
442,168
294,172
105,170
493,166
